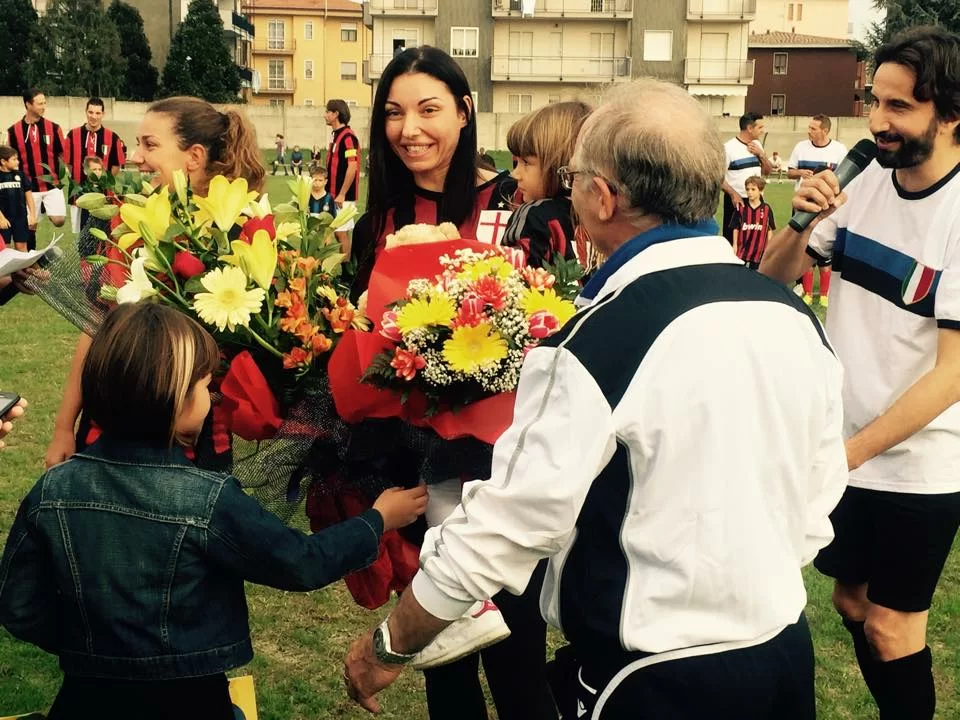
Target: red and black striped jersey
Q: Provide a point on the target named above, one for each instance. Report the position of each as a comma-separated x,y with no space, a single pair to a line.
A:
753,224
493,195
543,229
104,144
41,147
344,149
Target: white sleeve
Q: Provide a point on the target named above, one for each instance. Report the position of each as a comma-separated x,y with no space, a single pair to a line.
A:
794,161
543,466
828,474
946,307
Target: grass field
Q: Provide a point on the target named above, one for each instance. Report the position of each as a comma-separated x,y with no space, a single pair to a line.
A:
300,639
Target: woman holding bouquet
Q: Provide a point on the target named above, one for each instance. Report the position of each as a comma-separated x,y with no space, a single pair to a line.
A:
178,133
423,169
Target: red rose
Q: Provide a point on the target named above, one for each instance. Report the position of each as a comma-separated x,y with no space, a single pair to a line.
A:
543,324
251,226
186,265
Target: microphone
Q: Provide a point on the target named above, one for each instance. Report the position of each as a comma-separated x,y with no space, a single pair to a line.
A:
856,161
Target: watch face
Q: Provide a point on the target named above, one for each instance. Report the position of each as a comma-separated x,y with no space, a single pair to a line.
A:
379,646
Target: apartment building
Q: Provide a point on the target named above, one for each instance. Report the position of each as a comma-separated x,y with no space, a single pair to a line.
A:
823,18
307,51
521,54
161,18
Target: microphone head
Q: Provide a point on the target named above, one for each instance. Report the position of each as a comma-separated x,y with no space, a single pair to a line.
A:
863,153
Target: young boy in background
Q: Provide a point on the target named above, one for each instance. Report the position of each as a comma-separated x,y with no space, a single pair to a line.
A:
753,225
18,214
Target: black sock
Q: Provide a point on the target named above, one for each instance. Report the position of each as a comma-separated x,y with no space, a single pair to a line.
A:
908,692
865,658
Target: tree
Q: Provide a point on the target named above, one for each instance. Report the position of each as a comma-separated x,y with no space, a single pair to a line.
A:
903,14
18,29
200,62
140,80
78,50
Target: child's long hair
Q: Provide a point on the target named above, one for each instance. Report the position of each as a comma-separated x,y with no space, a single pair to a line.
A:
229,138
140,370
550,135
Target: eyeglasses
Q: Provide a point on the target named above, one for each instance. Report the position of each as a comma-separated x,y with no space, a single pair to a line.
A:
567,175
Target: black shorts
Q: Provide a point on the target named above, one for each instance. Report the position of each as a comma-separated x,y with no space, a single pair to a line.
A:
896,543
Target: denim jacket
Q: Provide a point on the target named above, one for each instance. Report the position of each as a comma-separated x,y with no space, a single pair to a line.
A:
128,562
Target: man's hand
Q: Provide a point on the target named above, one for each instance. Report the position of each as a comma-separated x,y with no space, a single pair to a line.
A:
819,193
339,200
4,223
754,148
736,200
365,676
31,221
805,173
6,423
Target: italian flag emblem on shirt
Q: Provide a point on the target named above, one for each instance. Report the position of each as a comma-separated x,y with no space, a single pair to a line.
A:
917,283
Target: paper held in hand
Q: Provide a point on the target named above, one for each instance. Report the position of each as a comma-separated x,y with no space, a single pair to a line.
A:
13,260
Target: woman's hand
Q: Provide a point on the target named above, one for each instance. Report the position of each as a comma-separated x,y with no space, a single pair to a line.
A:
401,507
6,422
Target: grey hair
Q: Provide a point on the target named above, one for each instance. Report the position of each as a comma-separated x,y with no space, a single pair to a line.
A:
659,148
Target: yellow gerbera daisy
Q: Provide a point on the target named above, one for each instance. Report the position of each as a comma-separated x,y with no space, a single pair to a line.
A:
496,266
228,302
536,300
472,347
434,309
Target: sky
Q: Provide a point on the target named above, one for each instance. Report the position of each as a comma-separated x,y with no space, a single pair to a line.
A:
862,13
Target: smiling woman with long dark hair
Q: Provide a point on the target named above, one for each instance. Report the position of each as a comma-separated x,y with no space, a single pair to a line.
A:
423,154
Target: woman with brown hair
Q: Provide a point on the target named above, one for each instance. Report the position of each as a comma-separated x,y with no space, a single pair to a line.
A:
178,133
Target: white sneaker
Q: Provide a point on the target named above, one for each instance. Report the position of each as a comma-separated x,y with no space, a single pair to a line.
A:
480,627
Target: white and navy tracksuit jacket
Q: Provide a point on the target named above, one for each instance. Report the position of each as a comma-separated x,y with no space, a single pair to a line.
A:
676,450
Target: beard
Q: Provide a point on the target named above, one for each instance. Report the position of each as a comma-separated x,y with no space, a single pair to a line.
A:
913,151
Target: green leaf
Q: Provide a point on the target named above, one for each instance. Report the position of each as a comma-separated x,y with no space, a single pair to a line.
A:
107,212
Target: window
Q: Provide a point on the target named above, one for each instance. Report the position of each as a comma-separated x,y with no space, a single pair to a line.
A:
308,30
779,63
553,98
405,38
601,48
521,53
519,103
657,46
348,71
790,11
308,69
276,103
556,45
275,35
308,102
778,104
351,103
348,32
799,11
464,41
275,76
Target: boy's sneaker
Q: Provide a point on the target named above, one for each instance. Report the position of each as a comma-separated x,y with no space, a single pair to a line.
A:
824,302
808,299
481,626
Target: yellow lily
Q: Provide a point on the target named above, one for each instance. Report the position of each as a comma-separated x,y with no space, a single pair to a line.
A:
149,222
180,186
301,187
224,202
260,208
257,259
286,230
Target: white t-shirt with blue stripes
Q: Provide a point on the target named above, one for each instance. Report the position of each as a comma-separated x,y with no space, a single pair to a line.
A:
741,164
807,156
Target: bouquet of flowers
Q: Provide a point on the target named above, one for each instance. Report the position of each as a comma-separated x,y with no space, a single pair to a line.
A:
456,318
265,280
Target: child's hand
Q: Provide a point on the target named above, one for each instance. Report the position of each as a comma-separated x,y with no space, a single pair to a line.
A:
401,507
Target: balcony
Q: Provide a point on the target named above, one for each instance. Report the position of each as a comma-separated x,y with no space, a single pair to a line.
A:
236,24
403,8
376,63
278,86
275,46
246,76
702,71
722,10
558,68
622,9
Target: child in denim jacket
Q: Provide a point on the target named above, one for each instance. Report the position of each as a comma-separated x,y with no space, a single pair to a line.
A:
128,562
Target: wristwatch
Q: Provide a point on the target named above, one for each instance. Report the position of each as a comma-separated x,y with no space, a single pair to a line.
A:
382,649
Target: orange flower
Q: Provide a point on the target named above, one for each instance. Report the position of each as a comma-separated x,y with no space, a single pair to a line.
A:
288,258
298,285
320,344
297,358
341,316
284,299
291,323
305,331
297,310
407,364
538,278
308,265
490,291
